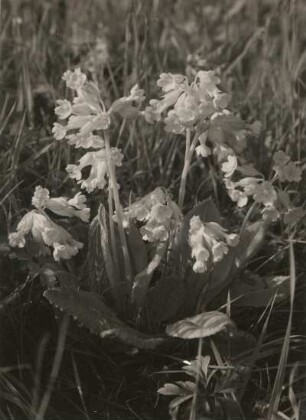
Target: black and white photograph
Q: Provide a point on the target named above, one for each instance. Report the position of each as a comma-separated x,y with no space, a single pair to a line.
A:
152,209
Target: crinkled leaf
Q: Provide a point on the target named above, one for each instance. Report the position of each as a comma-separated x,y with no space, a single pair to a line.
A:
91,312
203,325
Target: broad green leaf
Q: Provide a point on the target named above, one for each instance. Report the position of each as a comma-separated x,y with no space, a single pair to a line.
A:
91,312
203,325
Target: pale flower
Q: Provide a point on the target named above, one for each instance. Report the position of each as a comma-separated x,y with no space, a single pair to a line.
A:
187,103
227,129
74,79
86,114
62,206
99,168
86,142
40,197
127,105
229,166
239,197
221,100
199,266
64,109
23,228
208,242
169,81
248,186
61,241
285,169
151,112
208,83
219,249
203,150
265,193
46,233
186,108
141,209
158,225
270,213
59,131
17,239
291,173
158,213
280,158
173,124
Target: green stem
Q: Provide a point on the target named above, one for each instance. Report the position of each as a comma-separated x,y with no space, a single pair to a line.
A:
119,212
182,189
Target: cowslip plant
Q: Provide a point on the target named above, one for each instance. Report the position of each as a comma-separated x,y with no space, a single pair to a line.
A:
151,265
46,232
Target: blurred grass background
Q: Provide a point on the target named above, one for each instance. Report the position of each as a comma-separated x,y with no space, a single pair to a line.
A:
258,46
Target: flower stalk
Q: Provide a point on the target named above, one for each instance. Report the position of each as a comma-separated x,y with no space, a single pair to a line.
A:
186,167
118,208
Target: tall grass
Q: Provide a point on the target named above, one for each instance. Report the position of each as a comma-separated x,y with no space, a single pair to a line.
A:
258,47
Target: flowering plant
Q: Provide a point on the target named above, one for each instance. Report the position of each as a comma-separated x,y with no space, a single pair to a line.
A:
152,262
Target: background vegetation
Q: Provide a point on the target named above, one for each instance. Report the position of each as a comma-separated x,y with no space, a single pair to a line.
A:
259,48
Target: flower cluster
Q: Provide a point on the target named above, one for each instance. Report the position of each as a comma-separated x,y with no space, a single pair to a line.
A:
44,231
159,214
285,169
74,207
208,242
99,168
265,192
87,113
127,106
260,190
186,104
201,106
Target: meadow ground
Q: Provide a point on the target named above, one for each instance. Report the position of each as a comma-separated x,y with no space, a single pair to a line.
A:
50,366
